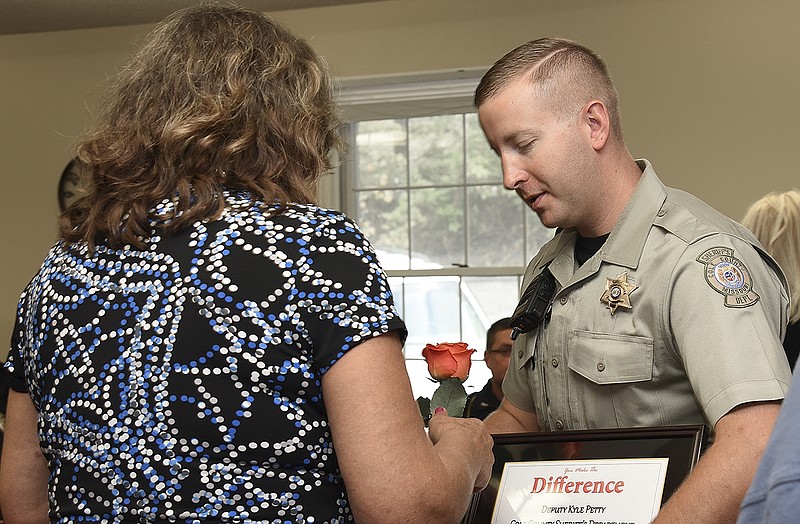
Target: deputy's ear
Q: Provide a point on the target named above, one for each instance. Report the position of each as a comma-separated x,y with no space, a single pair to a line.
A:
598,123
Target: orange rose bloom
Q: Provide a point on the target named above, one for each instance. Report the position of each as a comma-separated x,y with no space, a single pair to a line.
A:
448,360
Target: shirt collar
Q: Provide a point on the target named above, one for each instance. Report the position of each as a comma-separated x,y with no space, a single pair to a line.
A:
626,242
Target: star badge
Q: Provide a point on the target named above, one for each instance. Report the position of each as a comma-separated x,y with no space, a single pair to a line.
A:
618,292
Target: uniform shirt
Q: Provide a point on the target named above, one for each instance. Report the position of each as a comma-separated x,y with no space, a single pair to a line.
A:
708,310
791,344
183,382
481,403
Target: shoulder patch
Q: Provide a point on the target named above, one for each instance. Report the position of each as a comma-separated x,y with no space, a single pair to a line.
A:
728,275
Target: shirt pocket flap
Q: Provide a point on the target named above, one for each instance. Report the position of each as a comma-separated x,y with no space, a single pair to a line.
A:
611,359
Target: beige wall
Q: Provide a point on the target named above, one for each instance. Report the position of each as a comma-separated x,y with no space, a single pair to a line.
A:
708,90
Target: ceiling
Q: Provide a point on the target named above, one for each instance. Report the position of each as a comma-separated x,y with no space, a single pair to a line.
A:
34,16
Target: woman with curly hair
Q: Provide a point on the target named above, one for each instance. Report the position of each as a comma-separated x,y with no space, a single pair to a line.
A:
205,343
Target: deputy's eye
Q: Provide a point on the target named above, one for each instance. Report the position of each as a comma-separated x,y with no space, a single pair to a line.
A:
524,147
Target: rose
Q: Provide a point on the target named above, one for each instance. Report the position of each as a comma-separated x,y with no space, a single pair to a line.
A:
448,359
448,363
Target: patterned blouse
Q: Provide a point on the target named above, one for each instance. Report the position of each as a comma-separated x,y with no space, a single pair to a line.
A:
182,382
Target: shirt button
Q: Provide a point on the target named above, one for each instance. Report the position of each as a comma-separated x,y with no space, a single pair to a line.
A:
563,300
601,366
661,212
519,353
554,362
559,424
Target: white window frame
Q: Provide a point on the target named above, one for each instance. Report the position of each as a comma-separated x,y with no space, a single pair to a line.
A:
404,96
408,96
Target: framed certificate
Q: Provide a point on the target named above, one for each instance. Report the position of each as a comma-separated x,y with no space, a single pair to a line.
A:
619,474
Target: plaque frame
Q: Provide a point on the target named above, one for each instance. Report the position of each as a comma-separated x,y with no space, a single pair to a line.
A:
681,444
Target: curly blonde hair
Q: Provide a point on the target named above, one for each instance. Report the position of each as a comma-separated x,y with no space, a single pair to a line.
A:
217,97
775,220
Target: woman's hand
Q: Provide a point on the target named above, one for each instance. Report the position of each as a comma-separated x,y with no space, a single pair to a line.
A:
388,463
470,437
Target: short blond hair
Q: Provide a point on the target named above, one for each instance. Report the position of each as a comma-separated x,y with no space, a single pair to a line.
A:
775,220
565,72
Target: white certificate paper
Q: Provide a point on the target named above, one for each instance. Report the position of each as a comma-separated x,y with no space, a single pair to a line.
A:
619,491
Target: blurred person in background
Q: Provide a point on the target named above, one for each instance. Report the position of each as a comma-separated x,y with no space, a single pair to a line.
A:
496,356
774,495
3,403
205,343
775,220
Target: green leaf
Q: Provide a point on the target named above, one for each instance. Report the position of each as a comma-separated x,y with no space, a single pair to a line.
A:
452,396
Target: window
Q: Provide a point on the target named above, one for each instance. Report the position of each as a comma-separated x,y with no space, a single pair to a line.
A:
427,190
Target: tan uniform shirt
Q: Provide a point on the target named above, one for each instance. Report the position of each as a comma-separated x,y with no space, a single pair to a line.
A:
708,311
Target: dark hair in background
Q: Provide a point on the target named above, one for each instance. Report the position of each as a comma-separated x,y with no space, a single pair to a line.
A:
216,97
499,325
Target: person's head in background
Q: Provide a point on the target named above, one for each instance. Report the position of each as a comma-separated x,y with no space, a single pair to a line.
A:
775,220
217,97
498,352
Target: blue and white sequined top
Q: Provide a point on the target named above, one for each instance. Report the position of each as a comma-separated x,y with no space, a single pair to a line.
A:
182,382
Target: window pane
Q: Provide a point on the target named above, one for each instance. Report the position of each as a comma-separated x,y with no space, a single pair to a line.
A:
436,150
412,200
431,312
383,216
482,164
495,233
484,300
381,154
431,306
488,299
437,226
396,285
421,383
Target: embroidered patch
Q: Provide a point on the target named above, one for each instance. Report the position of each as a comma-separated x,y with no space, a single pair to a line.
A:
728,275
